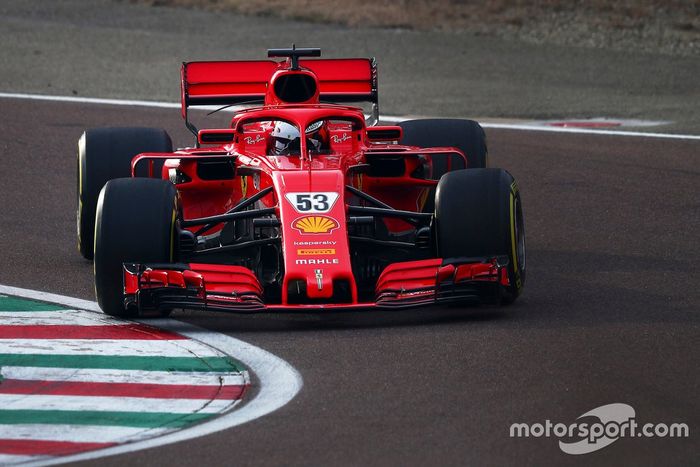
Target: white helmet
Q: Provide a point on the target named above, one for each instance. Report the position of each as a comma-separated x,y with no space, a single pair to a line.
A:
285,139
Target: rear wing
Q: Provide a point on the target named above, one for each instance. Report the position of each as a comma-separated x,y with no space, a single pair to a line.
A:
341,80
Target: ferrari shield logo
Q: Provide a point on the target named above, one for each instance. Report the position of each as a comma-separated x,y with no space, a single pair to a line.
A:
315,224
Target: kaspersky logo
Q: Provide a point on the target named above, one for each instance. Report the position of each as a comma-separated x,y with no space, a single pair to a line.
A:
315,224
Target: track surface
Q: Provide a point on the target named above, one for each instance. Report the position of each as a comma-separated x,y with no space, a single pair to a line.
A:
610,311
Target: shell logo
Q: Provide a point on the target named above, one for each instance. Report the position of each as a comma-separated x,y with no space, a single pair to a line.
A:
315,224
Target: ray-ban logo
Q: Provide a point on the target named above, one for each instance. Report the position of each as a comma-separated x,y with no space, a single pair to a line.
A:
340,139
251,140
598,428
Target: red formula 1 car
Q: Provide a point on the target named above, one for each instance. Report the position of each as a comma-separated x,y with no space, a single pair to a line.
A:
298,205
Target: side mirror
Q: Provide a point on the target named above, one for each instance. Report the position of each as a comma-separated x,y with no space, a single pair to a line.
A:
224,136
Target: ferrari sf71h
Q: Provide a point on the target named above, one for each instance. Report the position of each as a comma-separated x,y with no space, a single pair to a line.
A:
299,204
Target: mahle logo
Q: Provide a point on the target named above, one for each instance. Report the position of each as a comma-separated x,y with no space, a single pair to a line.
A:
318,261
598,428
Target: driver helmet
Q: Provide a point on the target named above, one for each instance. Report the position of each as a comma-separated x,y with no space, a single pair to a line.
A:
285,138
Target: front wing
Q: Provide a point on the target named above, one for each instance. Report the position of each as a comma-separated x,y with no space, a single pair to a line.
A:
215,287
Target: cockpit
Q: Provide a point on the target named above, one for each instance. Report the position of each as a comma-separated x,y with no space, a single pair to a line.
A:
281,135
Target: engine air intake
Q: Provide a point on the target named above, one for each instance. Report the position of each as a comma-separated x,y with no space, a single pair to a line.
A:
295,87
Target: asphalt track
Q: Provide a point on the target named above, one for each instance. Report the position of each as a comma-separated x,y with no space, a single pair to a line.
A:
609,314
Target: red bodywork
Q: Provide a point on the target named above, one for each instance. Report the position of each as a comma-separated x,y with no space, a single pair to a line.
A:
318,263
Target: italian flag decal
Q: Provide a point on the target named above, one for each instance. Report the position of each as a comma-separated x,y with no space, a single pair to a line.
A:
73,381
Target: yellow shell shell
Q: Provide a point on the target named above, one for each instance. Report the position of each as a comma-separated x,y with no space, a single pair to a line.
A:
315,224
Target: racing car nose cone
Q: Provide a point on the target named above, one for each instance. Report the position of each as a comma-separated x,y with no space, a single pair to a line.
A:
314,234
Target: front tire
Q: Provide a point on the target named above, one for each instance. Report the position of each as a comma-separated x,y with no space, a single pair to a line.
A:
478,213
105,154
135,222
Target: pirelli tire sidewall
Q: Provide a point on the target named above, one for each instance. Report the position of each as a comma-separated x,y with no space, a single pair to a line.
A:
135,223
478,213
516,256
105,154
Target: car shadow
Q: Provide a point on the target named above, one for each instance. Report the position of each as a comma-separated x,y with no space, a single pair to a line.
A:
334,321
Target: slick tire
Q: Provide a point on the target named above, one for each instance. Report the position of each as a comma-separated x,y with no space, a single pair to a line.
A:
105,154
135,222
465,135
478,213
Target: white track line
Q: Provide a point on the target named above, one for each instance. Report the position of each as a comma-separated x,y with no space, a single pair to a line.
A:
279,382
390,119
90,100
115,404
638,134
99,375
9,459
69,302
108,347
77,433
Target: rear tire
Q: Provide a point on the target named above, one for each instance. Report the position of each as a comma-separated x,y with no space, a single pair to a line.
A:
105,154
479,213
135,223
465,135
